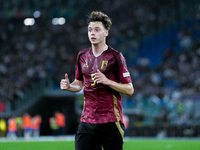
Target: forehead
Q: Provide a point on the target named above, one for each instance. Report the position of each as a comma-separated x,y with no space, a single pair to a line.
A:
95,24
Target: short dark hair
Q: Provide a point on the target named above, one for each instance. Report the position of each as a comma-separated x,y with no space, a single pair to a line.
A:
101,17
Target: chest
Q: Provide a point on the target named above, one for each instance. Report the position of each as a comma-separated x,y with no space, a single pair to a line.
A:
90,64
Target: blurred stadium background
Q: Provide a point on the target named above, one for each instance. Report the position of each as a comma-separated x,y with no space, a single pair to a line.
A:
160,40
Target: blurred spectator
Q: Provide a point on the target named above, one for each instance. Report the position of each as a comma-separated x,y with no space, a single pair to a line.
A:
53,125
185,38
12,129
126,123
2,127
27,126
36,122
60,119
19,126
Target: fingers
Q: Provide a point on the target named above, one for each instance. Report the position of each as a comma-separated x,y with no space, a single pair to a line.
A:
66,76
97,76
98,71
63,81
64,84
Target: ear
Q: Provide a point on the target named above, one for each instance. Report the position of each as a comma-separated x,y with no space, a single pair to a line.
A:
106,32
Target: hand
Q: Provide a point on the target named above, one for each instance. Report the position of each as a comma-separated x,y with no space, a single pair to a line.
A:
65,84
99,77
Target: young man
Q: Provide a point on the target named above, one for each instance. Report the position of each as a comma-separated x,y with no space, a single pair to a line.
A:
103,73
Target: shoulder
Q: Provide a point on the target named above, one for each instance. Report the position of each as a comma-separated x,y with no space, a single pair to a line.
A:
116,53
113,51
118,56
83,51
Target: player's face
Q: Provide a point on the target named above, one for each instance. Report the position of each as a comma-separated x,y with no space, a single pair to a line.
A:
97,33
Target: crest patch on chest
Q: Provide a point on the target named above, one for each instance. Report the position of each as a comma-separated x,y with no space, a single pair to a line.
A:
104,64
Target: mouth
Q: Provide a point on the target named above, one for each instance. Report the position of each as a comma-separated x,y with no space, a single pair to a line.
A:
93,38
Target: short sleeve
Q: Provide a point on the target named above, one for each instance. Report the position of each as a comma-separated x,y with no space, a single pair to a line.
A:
78,70
124,75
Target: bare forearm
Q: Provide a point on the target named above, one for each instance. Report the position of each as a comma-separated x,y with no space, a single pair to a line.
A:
74,88
121,88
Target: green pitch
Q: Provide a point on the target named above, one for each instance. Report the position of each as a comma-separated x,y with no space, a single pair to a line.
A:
128,145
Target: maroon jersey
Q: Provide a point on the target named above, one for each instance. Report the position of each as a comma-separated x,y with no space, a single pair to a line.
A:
102,104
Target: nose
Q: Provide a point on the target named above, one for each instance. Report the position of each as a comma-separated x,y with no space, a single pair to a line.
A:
92,32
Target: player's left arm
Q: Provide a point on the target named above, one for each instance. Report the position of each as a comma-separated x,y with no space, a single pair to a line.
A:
124,88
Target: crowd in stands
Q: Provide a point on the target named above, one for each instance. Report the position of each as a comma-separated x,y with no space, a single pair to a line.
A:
173,86
29,54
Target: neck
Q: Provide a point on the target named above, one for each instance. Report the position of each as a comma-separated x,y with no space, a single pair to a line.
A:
99,49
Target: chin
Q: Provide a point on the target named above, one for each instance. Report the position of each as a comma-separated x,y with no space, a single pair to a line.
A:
94,43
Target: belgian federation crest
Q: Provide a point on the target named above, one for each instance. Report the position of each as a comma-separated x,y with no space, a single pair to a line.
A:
104,64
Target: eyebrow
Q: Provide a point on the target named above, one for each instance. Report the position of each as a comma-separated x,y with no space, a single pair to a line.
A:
94,27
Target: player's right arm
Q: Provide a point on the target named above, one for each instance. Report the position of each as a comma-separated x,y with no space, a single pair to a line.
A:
75,86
